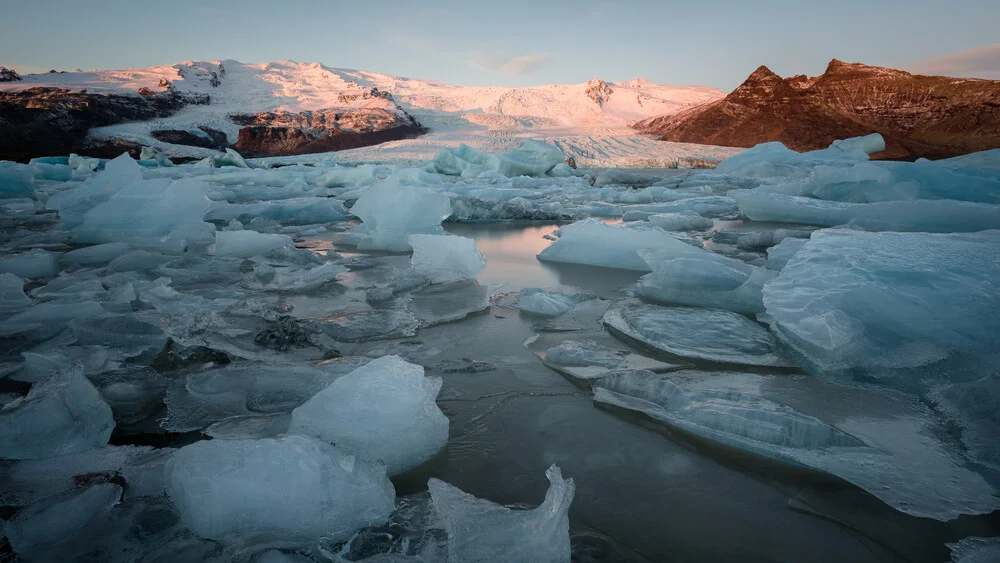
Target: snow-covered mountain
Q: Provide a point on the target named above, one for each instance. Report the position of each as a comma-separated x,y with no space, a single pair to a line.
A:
488,117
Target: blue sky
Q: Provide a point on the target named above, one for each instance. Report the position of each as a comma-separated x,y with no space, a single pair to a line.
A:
513,42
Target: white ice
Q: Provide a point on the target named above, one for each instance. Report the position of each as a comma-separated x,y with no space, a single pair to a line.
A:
595,243
446,258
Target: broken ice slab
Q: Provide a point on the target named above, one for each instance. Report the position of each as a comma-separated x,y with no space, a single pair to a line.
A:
975,550
391,211
888,301
705,334
680,221
34,264
374,324
57,519
276,491
246,244
60,415
12,293
588,361
444,303
925,215
483,531
384,410
295,211
532,158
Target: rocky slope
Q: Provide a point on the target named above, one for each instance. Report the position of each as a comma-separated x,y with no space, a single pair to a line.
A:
919,116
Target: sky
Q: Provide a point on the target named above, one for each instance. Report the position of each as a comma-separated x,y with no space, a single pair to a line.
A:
513,42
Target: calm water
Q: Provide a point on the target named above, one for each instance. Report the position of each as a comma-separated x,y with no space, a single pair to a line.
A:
641,495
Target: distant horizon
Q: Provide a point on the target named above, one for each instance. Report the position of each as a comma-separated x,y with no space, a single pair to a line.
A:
717,43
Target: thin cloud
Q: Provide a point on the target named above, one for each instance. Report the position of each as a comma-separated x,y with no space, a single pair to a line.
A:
981,62
522,64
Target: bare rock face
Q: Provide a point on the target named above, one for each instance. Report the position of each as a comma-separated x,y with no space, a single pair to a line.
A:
8,75
205,137
284,133
54,121
599,91
919,116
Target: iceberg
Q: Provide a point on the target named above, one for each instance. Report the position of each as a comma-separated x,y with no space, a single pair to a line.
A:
279,492
17,182
537,301
60,415
446,258
59,518
850,299
595,243
704,334
390,212
12,293
588,361
681,221
33,265
384,410
245,244
483,531
779,254
533,158
97,254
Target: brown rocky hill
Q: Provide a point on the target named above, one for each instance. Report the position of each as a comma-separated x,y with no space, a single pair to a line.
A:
919,116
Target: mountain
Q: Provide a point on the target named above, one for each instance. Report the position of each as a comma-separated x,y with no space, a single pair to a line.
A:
919,116
288,108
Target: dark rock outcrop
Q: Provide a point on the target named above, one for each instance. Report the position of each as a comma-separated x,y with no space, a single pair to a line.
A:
8,75
598,91
919,116
284,133
210,139
48,121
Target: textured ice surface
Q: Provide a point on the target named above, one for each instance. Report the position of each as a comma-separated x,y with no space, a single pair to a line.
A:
779,254
359,326
588,361
706,334
206,397
154,213
680,221
384,410
975,408
12,292
775,160
58,518
684,274
296,211
544,303
937,215
34,264
850,299
446,258
392,211
975,550
60,415
890,449
595,243
97,254
533,158
483,531
244,244
442,303
277,491
16,182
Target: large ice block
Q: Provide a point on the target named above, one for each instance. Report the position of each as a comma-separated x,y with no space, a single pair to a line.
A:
446,258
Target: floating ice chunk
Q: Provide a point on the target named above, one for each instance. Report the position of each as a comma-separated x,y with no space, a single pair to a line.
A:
150,212
599,244
537,301
97,254
919,215
280,491
384,410
867,144
589,361
35,264
349,177
52,172
295,211
229,158
682,221
747,422
60,415
16,182
305,280
483,531
685,274
707,206
49,316
533,158
12,292
359,326
57,519
138,260
975,550
244,244
774,159
443,303
391,212
983,159
446,258
241,390
850,299
706,334
780,254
